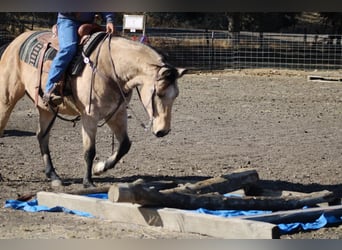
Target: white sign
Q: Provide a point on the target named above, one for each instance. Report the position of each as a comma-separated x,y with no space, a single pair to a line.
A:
134,22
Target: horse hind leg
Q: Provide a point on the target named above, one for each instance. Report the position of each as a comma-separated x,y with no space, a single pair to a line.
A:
9,96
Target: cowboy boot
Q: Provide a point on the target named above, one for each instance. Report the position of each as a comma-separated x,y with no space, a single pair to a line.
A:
53,97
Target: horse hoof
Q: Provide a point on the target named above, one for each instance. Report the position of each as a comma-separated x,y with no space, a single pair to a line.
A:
99,168
56,183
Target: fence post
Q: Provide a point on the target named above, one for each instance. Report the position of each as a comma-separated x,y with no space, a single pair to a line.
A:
236,49
212,50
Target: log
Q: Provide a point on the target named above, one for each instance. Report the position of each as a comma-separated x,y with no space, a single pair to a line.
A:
221,184
123,192
127,192
297,215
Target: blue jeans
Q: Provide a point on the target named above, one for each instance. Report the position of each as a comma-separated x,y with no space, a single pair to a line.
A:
68,40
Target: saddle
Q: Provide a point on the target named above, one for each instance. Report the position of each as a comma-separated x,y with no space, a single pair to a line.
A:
50,40
84,33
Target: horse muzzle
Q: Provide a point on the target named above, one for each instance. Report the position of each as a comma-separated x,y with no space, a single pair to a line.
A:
160,126
161,133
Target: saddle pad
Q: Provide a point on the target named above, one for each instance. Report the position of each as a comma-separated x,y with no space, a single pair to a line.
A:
31,50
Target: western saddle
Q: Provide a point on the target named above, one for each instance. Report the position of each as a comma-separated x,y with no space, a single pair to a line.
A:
48,40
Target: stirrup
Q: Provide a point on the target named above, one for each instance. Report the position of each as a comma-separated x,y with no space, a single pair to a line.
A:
52,99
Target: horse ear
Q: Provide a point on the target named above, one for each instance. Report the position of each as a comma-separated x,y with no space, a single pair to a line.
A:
181,72
171,73
167,73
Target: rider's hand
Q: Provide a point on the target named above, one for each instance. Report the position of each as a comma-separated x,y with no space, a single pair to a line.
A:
110,28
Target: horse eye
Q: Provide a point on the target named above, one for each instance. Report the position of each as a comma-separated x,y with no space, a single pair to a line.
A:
160,94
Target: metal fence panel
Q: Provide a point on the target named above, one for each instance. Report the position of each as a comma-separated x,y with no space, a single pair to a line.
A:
223,50
245,50
5,37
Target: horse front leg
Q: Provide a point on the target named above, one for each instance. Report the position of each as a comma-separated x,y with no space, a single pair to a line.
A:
118,125
89,129
46,120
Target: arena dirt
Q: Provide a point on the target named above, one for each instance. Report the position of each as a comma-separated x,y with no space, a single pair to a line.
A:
288,128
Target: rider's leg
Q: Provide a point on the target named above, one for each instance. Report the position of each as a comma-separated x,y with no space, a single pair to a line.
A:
68,39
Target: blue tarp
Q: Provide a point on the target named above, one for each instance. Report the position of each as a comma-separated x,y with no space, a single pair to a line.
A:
32,206
322,221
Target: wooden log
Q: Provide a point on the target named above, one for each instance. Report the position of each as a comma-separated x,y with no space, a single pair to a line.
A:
127,192
123,192
297,215
95,190
221,184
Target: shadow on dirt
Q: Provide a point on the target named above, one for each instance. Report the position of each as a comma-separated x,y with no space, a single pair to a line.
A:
18,133
146,178
298,187
253,190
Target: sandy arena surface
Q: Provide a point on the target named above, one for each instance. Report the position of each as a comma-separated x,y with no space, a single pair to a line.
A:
288,128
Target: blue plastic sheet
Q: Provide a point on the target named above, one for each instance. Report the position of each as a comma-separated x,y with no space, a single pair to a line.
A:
230,213
99,196
32,206
322,221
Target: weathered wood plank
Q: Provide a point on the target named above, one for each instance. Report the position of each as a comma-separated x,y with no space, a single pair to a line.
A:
167,218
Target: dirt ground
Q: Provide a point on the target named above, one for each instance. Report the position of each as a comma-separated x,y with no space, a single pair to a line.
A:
288,128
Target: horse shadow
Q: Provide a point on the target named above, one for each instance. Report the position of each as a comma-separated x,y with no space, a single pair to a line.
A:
18,133
146,178
274,185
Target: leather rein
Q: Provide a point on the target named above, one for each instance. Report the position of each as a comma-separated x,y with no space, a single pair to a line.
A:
123,99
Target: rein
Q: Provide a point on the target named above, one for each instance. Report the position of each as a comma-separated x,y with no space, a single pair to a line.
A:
124,96
94,66
153,111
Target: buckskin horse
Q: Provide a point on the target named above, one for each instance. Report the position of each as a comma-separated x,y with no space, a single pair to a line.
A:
101,92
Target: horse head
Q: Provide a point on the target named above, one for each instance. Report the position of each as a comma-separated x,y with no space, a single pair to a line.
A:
164,93
158,97
157,93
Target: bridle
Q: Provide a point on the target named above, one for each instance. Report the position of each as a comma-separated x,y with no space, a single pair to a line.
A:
123,99
150,123
123,95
